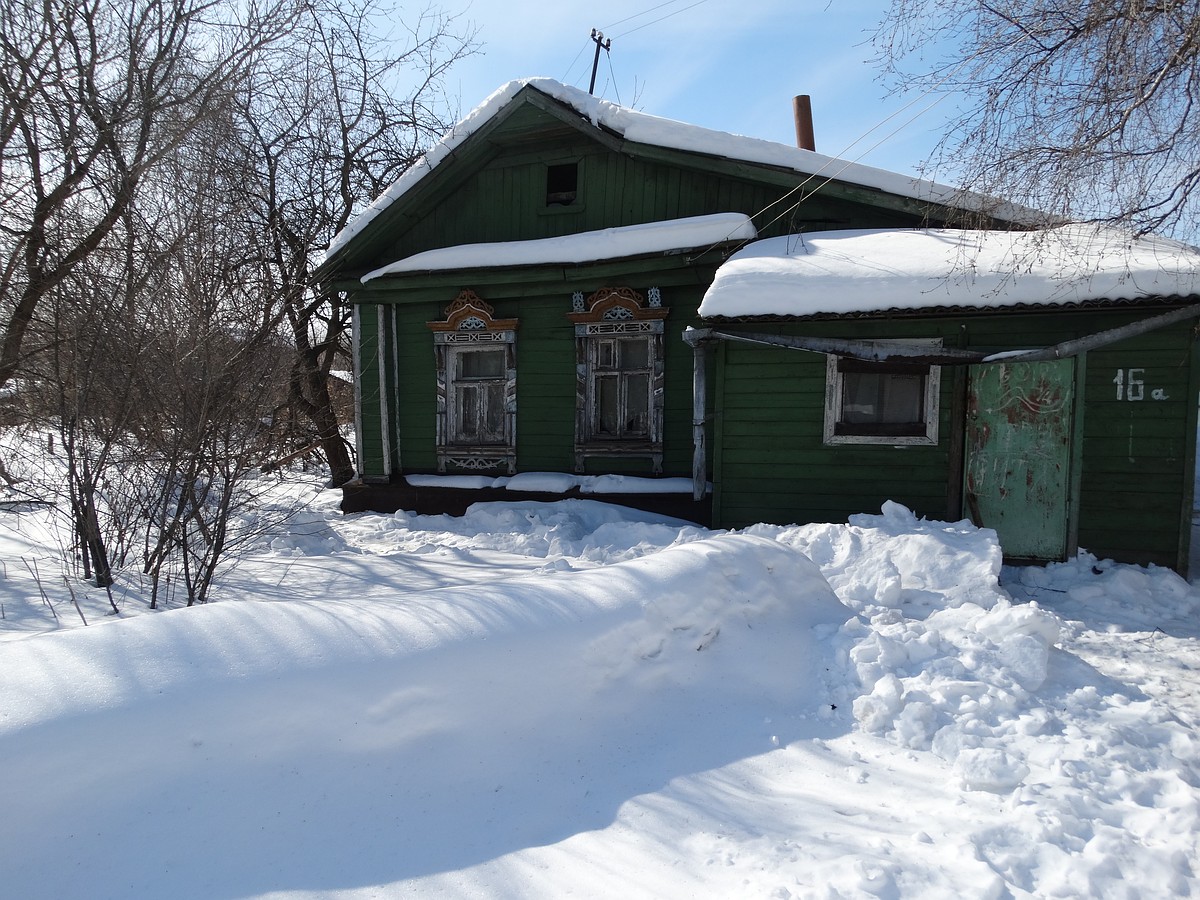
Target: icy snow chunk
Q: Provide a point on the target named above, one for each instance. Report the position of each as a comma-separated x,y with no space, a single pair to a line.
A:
1027,658
989,769
916,724
899,561
876,710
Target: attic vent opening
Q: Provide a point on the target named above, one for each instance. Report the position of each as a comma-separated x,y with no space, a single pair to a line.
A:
562,184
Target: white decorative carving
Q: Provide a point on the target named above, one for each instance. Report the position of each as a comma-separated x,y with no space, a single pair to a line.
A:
654,296
577,302
476,463
618,313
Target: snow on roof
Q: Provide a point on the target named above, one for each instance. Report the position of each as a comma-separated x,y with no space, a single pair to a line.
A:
588,246
871,270
647,129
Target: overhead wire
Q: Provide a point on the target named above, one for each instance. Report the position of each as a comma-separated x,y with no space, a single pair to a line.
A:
830,160
660,19
567,74
847,163
644,12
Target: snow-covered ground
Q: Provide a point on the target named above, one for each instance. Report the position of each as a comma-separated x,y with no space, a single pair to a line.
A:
550,700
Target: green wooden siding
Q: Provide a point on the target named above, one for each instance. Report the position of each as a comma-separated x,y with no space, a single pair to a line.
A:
370,424
773,465
1135,453
1137,459
545,352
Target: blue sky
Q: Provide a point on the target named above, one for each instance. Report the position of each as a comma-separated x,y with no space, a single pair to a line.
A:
731,65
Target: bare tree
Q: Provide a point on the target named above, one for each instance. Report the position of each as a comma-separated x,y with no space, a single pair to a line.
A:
94,94
1081,108
335,114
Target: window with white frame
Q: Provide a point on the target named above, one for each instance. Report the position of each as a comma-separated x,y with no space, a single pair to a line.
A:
890,402
476,396
619,371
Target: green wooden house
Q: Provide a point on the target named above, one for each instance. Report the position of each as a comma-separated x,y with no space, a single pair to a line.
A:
1040,383
521,295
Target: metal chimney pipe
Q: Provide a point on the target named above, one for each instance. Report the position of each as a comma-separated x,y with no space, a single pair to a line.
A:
802,110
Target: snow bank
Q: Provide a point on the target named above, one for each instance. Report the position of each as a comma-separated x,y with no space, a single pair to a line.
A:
588,246
557,483
978,681
304,751
537,699
854,271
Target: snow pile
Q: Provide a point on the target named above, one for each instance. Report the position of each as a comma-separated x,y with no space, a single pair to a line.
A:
544,698
1097,777
589,246
898,560
557,483
572,532
871,270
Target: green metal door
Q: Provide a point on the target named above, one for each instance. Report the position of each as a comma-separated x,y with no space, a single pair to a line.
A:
1018,455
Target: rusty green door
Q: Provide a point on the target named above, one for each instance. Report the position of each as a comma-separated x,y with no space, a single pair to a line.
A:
1018,455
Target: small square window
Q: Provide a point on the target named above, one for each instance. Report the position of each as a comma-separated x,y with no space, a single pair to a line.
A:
562,184
881,402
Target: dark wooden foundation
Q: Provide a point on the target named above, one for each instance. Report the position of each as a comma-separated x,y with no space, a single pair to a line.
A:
359,496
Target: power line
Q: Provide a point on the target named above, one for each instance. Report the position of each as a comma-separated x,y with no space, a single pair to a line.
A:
644,12
847,163
660,19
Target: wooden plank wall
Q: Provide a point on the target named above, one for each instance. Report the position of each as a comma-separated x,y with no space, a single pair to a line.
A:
545,352
1137,451
772,463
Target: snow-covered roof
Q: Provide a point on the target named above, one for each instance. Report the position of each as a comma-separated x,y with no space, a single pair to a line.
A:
588,246
872,270
647,129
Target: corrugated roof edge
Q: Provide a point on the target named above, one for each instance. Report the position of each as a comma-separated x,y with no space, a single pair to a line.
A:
934,312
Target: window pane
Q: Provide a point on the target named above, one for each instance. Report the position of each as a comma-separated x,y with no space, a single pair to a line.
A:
882,399
860,398
467,420
606,355
635,354
903,399
481,364
478,415
637,406
608,403
493,414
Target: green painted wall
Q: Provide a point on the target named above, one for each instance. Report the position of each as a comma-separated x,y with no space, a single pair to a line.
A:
545,374
772,464
1135,451
370,425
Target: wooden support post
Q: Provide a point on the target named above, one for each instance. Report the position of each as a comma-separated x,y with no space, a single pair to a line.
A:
699,417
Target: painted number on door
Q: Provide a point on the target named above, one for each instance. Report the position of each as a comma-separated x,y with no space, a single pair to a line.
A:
1132,386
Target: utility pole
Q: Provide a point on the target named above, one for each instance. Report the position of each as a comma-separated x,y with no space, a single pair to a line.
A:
598,37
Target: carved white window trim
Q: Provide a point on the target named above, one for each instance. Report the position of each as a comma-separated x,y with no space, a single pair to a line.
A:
470,326
608,317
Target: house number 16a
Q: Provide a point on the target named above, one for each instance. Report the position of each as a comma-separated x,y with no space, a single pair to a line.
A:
1131,386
